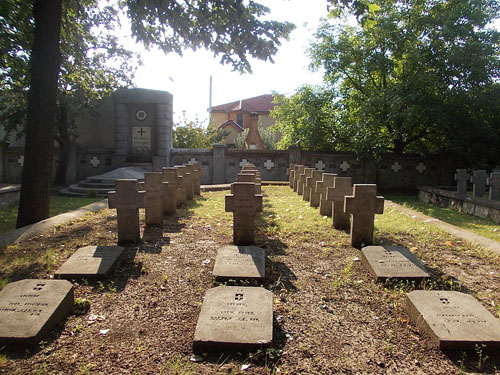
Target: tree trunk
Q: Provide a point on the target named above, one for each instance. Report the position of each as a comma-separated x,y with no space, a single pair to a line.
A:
64,142
39,146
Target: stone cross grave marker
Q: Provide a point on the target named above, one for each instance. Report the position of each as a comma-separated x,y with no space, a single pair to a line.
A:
342,186
319,196
461,176
311,184
478,180
153,185
453,320
234,318
244,204
494,184
240,262
295,176
186,181
251,168
392,262
298,173
248,177
194,176
30,308
302,181
90,262
290,172
127,200
172,176
198,172
363,205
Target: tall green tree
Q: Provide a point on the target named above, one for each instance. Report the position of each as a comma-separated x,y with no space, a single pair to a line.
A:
307,119
192,134
414,75
231,29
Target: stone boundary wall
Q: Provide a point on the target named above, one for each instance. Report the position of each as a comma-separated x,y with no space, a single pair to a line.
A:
8,196
484,208
221,164
396,172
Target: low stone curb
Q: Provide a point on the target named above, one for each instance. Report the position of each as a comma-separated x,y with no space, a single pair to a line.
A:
37,228
464,234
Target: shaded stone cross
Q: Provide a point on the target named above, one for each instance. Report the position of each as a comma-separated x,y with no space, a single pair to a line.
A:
248,177
461,176
171,176
478,180
198,171
363,205
311,184
298,172
319,196
494,183
127,199
302,180
186,181
290,172
192,177
153,185
342,186
244,204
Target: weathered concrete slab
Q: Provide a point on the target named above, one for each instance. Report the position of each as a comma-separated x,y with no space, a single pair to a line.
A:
453,320
91,262
30,308
240,262
234,318
392,262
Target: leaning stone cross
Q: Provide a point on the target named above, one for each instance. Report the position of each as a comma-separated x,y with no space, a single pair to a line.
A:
461,176
244,204
342,186
363,205
127,199
307,172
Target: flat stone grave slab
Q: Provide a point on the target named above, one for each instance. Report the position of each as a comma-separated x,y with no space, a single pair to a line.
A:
91,262
392,262
234,318
240,262
30,308
453,320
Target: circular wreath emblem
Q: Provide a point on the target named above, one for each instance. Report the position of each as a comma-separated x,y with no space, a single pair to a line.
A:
141,115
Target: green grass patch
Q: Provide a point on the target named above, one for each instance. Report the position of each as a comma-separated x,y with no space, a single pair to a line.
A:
474,224
58,205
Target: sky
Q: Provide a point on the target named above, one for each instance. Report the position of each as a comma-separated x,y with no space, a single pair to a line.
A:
187,78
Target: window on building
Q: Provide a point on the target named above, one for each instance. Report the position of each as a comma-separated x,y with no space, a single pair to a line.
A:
239,119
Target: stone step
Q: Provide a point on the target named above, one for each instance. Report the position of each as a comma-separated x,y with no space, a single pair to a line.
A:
96,185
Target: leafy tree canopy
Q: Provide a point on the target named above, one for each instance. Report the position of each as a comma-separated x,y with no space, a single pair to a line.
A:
192,134
418,76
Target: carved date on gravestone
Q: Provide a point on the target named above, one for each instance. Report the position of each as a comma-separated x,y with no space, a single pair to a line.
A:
453,320
234,318
30,308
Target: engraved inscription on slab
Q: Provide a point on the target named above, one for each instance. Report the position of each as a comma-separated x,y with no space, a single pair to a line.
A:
90,262
30,308
141,139
241,262
395,262
234,318
453,320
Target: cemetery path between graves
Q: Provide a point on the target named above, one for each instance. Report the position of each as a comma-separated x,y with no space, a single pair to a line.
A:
330,317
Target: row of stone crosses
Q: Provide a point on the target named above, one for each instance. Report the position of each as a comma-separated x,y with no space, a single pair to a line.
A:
480,180
241,317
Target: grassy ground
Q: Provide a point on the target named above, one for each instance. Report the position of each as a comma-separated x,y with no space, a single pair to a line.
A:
330,317
58,205
475,224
